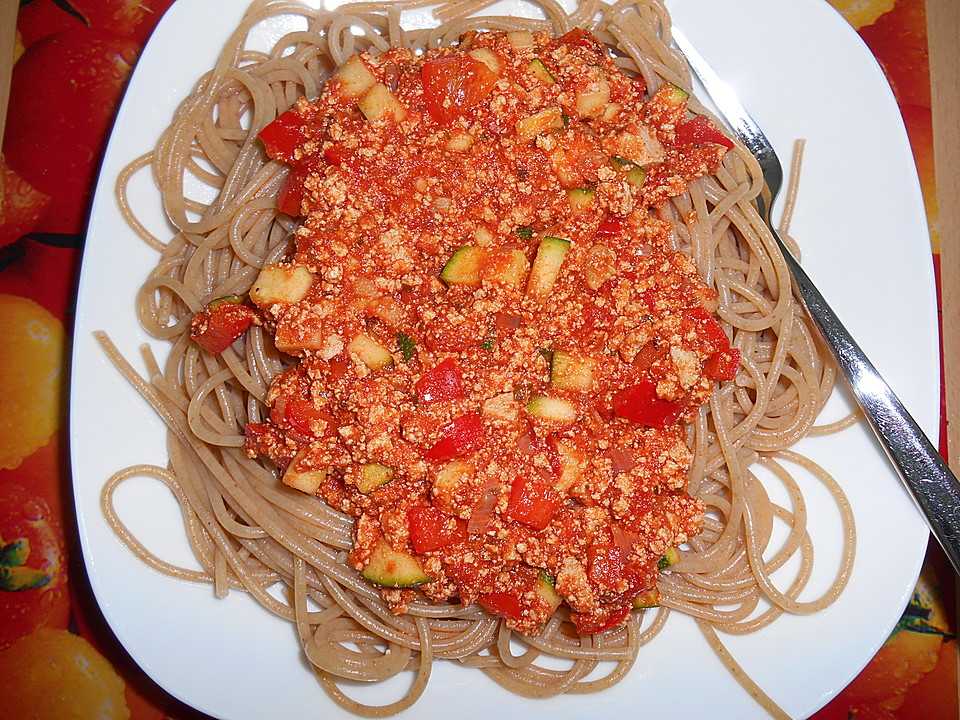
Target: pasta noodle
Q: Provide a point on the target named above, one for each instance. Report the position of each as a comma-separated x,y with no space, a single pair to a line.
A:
251,533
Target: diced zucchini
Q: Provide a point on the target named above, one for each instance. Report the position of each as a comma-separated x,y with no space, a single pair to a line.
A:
281,283
488,57
572,372
580,198
572,465
374,475
463,267
610,111
636,175
647,599
374,355
392,568
459,141
544,121
450,475
547,592
379,103
539,71
671,558
592,102
546,266
355,78
520,38
508,266
673,94
551,408
306,480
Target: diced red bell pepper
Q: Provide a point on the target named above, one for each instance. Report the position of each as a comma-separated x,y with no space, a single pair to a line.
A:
502,604
611,227
701,130
453,84
533,501
722,365
283,136
458,438
641,404
441,383
606,617
431,528
219,324
290,197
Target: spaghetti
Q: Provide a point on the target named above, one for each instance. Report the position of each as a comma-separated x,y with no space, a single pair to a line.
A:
251,533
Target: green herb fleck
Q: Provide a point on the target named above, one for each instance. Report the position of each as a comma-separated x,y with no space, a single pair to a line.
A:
526,232
406,345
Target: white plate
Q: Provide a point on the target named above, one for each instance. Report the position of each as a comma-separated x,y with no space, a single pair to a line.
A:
804,73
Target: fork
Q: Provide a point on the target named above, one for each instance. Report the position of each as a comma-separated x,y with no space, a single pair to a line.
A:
934,488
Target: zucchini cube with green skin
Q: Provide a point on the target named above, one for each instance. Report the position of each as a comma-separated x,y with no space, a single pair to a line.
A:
672,557
355,78
508,266
374,355
675,95
636,175
551,408
581,198
647,599
373,476
540,71
546,266
392,568
463,267
572,372
547,591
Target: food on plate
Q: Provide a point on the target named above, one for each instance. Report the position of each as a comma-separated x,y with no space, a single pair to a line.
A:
480,344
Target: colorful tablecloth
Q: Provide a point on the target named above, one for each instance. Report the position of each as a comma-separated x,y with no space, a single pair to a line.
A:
81,52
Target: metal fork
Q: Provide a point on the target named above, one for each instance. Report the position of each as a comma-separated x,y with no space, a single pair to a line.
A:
924,473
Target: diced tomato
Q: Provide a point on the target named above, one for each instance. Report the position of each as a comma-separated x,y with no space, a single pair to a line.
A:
611,227
578,37
709,327
502,604
453,84
283,136
701,130
441,383
462,436
604,618
300,415
641,404
533,501
722,365
217,326
431,528
605,566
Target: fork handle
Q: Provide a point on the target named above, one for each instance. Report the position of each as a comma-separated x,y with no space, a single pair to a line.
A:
926,476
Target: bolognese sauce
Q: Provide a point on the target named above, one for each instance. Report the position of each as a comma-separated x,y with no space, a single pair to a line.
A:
497,347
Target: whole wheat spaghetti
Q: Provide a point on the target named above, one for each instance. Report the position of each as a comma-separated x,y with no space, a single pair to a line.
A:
250,532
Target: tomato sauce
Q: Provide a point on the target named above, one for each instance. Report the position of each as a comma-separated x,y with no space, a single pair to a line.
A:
495,348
